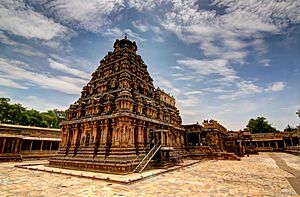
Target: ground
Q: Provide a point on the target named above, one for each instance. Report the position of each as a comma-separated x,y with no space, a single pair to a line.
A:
266,174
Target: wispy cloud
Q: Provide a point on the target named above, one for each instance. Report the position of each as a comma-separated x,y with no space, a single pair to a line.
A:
10,83
244,88
91,16
16,72
265,62
67,69
6,40
166,84
21,20
209,67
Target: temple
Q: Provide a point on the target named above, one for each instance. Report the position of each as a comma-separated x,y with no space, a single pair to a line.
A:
120,117
123,124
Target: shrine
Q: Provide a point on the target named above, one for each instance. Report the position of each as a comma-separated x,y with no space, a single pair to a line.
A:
121,123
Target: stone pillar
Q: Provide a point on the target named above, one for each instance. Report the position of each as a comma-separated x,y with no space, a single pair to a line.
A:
292,141
50,146
284,144
104,129
115,133
12,146
20,146
199,138
3,146
65,134
276,145
31,142
162,137
269,143
131,135
94,133
16,150
140,132
75,134
41,148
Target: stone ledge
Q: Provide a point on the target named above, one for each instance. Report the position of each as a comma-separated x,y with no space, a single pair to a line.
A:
113,178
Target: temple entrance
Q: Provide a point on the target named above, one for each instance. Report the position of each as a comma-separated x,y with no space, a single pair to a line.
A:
160,136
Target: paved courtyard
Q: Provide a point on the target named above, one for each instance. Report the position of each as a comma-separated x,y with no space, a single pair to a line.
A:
257,175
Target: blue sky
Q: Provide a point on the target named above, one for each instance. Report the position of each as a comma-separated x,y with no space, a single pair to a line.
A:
228,60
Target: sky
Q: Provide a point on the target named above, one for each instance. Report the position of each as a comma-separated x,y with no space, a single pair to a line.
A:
227,60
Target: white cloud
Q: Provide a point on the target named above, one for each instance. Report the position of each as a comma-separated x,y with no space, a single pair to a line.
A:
193,92
140,26
10,83
88,15
68,69
21,20
27,51
244,88
215,90
208,67
265,62
16,71
166,84
133,35
144,5
276,86
234,33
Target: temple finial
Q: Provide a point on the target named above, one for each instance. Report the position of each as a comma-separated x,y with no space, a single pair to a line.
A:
125,36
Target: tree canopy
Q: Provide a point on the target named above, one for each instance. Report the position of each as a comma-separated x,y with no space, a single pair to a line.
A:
260,125
17,114
289,128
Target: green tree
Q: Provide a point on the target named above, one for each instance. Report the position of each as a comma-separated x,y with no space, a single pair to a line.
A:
289,128
17,114
260,125
4,108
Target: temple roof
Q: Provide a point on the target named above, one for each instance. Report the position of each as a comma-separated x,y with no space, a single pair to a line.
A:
125,43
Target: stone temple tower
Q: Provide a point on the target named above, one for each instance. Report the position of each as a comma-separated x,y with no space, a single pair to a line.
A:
119,118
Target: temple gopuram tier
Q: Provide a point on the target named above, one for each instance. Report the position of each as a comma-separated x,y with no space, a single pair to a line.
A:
121,122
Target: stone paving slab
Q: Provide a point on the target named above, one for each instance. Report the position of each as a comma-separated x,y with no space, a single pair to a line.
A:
257,175
115,178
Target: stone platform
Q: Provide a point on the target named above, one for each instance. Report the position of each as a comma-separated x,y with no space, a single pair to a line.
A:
257,175
114,178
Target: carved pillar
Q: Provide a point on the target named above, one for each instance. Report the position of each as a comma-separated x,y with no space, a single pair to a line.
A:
12,145
140,133
114,133
41,148
50,146
162,138
130,135
276,145
65,133
74,136
104,129
98,133
31,142
3,145
16,150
